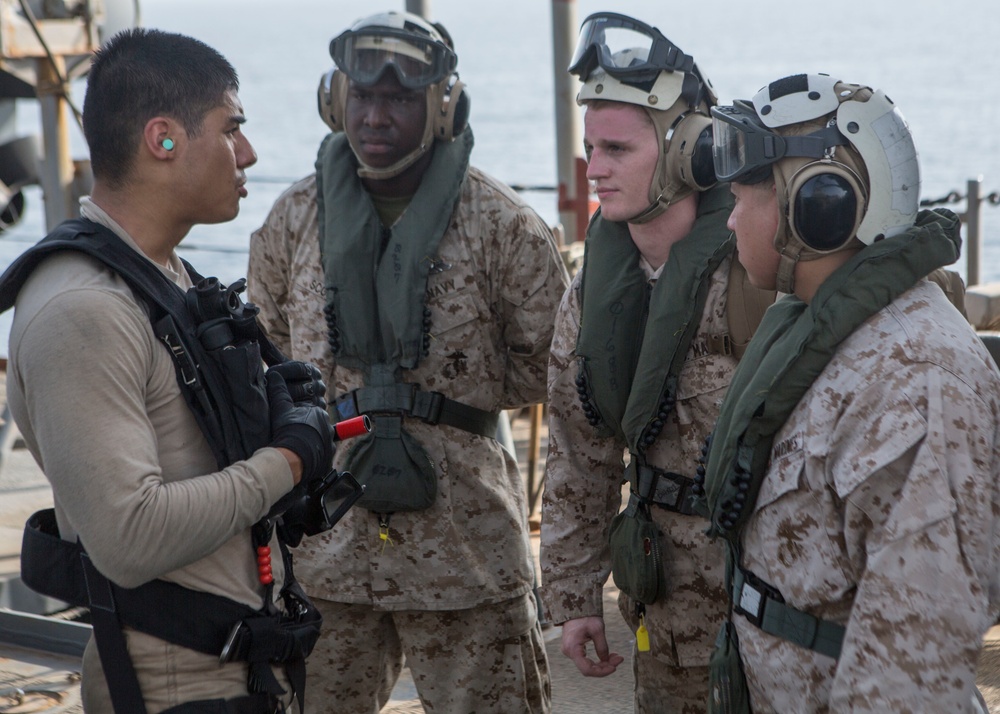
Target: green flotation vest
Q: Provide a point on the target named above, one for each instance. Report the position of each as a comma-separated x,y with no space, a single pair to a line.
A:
792,346
633,339
377,319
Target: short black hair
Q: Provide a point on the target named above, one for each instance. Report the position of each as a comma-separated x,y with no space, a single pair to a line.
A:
139,74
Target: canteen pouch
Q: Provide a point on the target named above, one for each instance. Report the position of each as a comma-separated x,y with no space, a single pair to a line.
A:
636,560
393,467
727,685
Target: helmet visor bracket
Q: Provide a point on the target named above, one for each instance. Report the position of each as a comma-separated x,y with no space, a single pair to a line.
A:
604,35
743,149
364,56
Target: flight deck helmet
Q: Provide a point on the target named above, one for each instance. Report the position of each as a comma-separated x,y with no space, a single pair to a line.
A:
842,158
621,59
421,56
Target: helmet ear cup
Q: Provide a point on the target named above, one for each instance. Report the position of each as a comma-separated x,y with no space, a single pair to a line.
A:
331,96
689,156
826,203
453,115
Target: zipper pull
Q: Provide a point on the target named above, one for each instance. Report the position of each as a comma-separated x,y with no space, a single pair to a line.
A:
383,531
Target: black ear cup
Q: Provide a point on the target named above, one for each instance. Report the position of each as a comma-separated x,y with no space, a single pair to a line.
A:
689,157
462,108
702,163
826,205
453,116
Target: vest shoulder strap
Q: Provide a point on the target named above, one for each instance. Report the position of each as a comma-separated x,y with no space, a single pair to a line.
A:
101,244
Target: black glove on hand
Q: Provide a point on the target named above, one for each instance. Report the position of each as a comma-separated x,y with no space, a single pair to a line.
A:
304,430
305,383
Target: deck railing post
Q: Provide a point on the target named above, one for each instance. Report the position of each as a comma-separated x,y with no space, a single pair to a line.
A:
973,234
419,7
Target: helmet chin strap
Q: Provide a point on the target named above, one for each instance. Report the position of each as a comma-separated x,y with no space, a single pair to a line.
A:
650,212
370,172
785,281
667,198
788,248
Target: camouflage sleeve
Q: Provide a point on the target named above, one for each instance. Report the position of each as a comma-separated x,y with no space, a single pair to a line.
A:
268,274
922,531
583,476
532,285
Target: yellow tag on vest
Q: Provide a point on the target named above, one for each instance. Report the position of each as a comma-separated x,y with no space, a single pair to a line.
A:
642,636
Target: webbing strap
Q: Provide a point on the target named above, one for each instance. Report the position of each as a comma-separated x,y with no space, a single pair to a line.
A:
764,607
200,621
123,684
669,490
430,407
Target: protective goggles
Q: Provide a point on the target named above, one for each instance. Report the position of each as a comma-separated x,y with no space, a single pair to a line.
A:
364,55
743,149
604,35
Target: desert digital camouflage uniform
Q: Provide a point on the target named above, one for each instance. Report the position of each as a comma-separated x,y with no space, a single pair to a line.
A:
880,511
583,492
492,293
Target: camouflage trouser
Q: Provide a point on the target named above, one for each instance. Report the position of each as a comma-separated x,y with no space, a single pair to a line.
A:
490,659
661,688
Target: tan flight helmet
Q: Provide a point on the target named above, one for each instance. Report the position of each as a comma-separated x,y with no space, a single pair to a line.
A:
841,156
652,73
422,57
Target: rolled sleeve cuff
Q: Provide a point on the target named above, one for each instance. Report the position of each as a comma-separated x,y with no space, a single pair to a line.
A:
572,598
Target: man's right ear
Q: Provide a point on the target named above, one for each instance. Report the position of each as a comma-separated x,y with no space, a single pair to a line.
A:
159,135
331,97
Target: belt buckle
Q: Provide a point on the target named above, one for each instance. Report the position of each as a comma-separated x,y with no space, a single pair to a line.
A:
754,595
667,492
751,604
227,649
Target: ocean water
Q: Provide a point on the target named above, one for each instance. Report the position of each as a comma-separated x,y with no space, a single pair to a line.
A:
937,61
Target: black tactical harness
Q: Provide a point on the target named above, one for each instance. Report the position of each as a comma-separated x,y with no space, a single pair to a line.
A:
231,411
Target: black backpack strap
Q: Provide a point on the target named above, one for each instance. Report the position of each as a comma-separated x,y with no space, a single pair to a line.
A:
169,314
200,621
119,673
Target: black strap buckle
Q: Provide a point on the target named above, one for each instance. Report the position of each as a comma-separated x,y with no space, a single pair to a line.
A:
751,595
666,489
427,406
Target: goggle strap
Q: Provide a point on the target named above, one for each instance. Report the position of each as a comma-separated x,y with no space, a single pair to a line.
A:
815,145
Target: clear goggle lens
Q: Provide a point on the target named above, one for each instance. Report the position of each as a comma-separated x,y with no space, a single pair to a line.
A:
742,148
729,149
418,63
604,37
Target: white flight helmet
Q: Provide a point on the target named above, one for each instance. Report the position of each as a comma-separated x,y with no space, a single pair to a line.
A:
621,59
420,56
841,156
